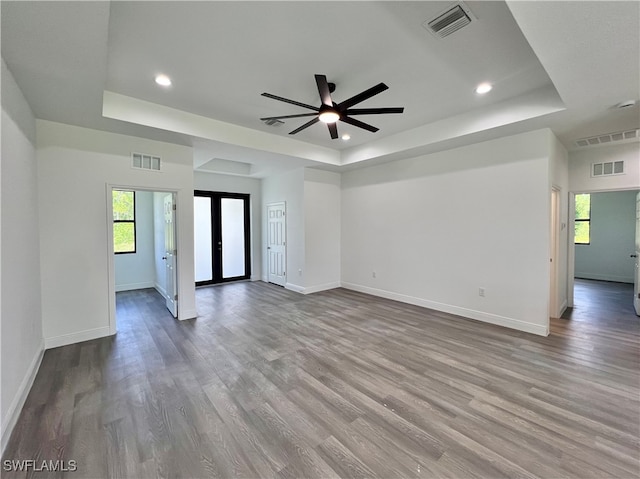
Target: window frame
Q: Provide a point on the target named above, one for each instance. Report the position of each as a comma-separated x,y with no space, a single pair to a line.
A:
583,220
135,235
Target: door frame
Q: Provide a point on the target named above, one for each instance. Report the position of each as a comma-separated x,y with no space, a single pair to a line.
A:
571,263
111,276
216,236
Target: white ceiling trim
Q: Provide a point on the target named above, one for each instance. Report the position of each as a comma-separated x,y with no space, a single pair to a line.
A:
540,102
134,110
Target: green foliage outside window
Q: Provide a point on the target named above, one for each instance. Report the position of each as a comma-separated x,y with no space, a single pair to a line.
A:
124,222
583,219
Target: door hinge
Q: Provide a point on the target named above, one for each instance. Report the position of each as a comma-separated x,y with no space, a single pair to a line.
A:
175,252
174,207
175,298
284,243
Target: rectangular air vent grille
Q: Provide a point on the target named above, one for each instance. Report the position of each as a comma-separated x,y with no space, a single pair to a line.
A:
449,22
273,122
607,168
608,138
145,162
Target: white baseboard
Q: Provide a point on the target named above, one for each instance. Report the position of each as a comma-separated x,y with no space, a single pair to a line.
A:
13,413
604,277
321,287
294,287
72,338
563,308
254,277
160,290
132,286
265,278
447,308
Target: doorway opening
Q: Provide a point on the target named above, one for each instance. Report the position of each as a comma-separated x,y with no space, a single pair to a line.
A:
603,266
222,243
142,245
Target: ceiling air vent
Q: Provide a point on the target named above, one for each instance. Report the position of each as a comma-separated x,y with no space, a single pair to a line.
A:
142,161
273,122
452,20
608,138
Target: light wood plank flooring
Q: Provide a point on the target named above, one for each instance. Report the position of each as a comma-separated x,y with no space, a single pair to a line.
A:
273,384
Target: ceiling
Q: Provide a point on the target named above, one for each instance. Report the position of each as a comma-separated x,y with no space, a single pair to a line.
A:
561,65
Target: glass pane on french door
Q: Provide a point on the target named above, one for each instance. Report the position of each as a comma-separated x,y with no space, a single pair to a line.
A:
233,241
203,252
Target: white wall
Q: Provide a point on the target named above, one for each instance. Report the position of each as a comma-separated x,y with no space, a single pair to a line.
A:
613,229
436,228
137,270
559,179
160,266
21,316
321,230
237,184
289,188
75,168
580,162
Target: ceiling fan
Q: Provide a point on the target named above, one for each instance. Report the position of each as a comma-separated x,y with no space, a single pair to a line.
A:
329,112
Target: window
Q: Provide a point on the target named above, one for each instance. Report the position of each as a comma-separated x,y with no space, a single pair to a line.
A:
124,221
583,219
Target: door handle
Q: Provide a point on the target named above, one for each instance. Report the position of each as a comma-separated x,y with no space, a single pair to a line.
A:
164,257
633,255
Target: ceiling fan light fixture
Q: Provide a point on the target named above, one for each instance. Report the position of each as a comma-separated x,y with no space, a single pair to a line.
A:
329,116
346,137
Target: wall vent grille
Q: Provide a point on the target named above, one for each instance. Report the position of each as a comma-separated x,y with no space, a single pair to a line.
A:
452,20
607,168
143,161
273,122
608,138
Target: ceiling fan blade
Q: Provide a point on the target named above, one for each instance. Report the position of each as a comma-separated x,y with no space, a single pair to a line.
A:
373,111
374,90
323,90
306,125
288,116
333,130
359,124
293,102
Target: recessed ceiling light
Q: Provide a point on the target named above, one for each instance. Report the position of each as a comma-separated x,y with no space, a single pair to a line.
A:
346,136
483,88
163,80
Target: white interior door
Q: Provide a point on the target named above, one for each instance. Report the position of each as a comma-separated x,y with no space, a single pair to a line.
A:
276,244
170,255
553,270
636,276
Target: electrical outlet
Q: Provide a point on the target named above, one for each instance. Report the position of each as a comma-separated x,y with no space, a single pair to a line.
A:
481,292
299,272
373,274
